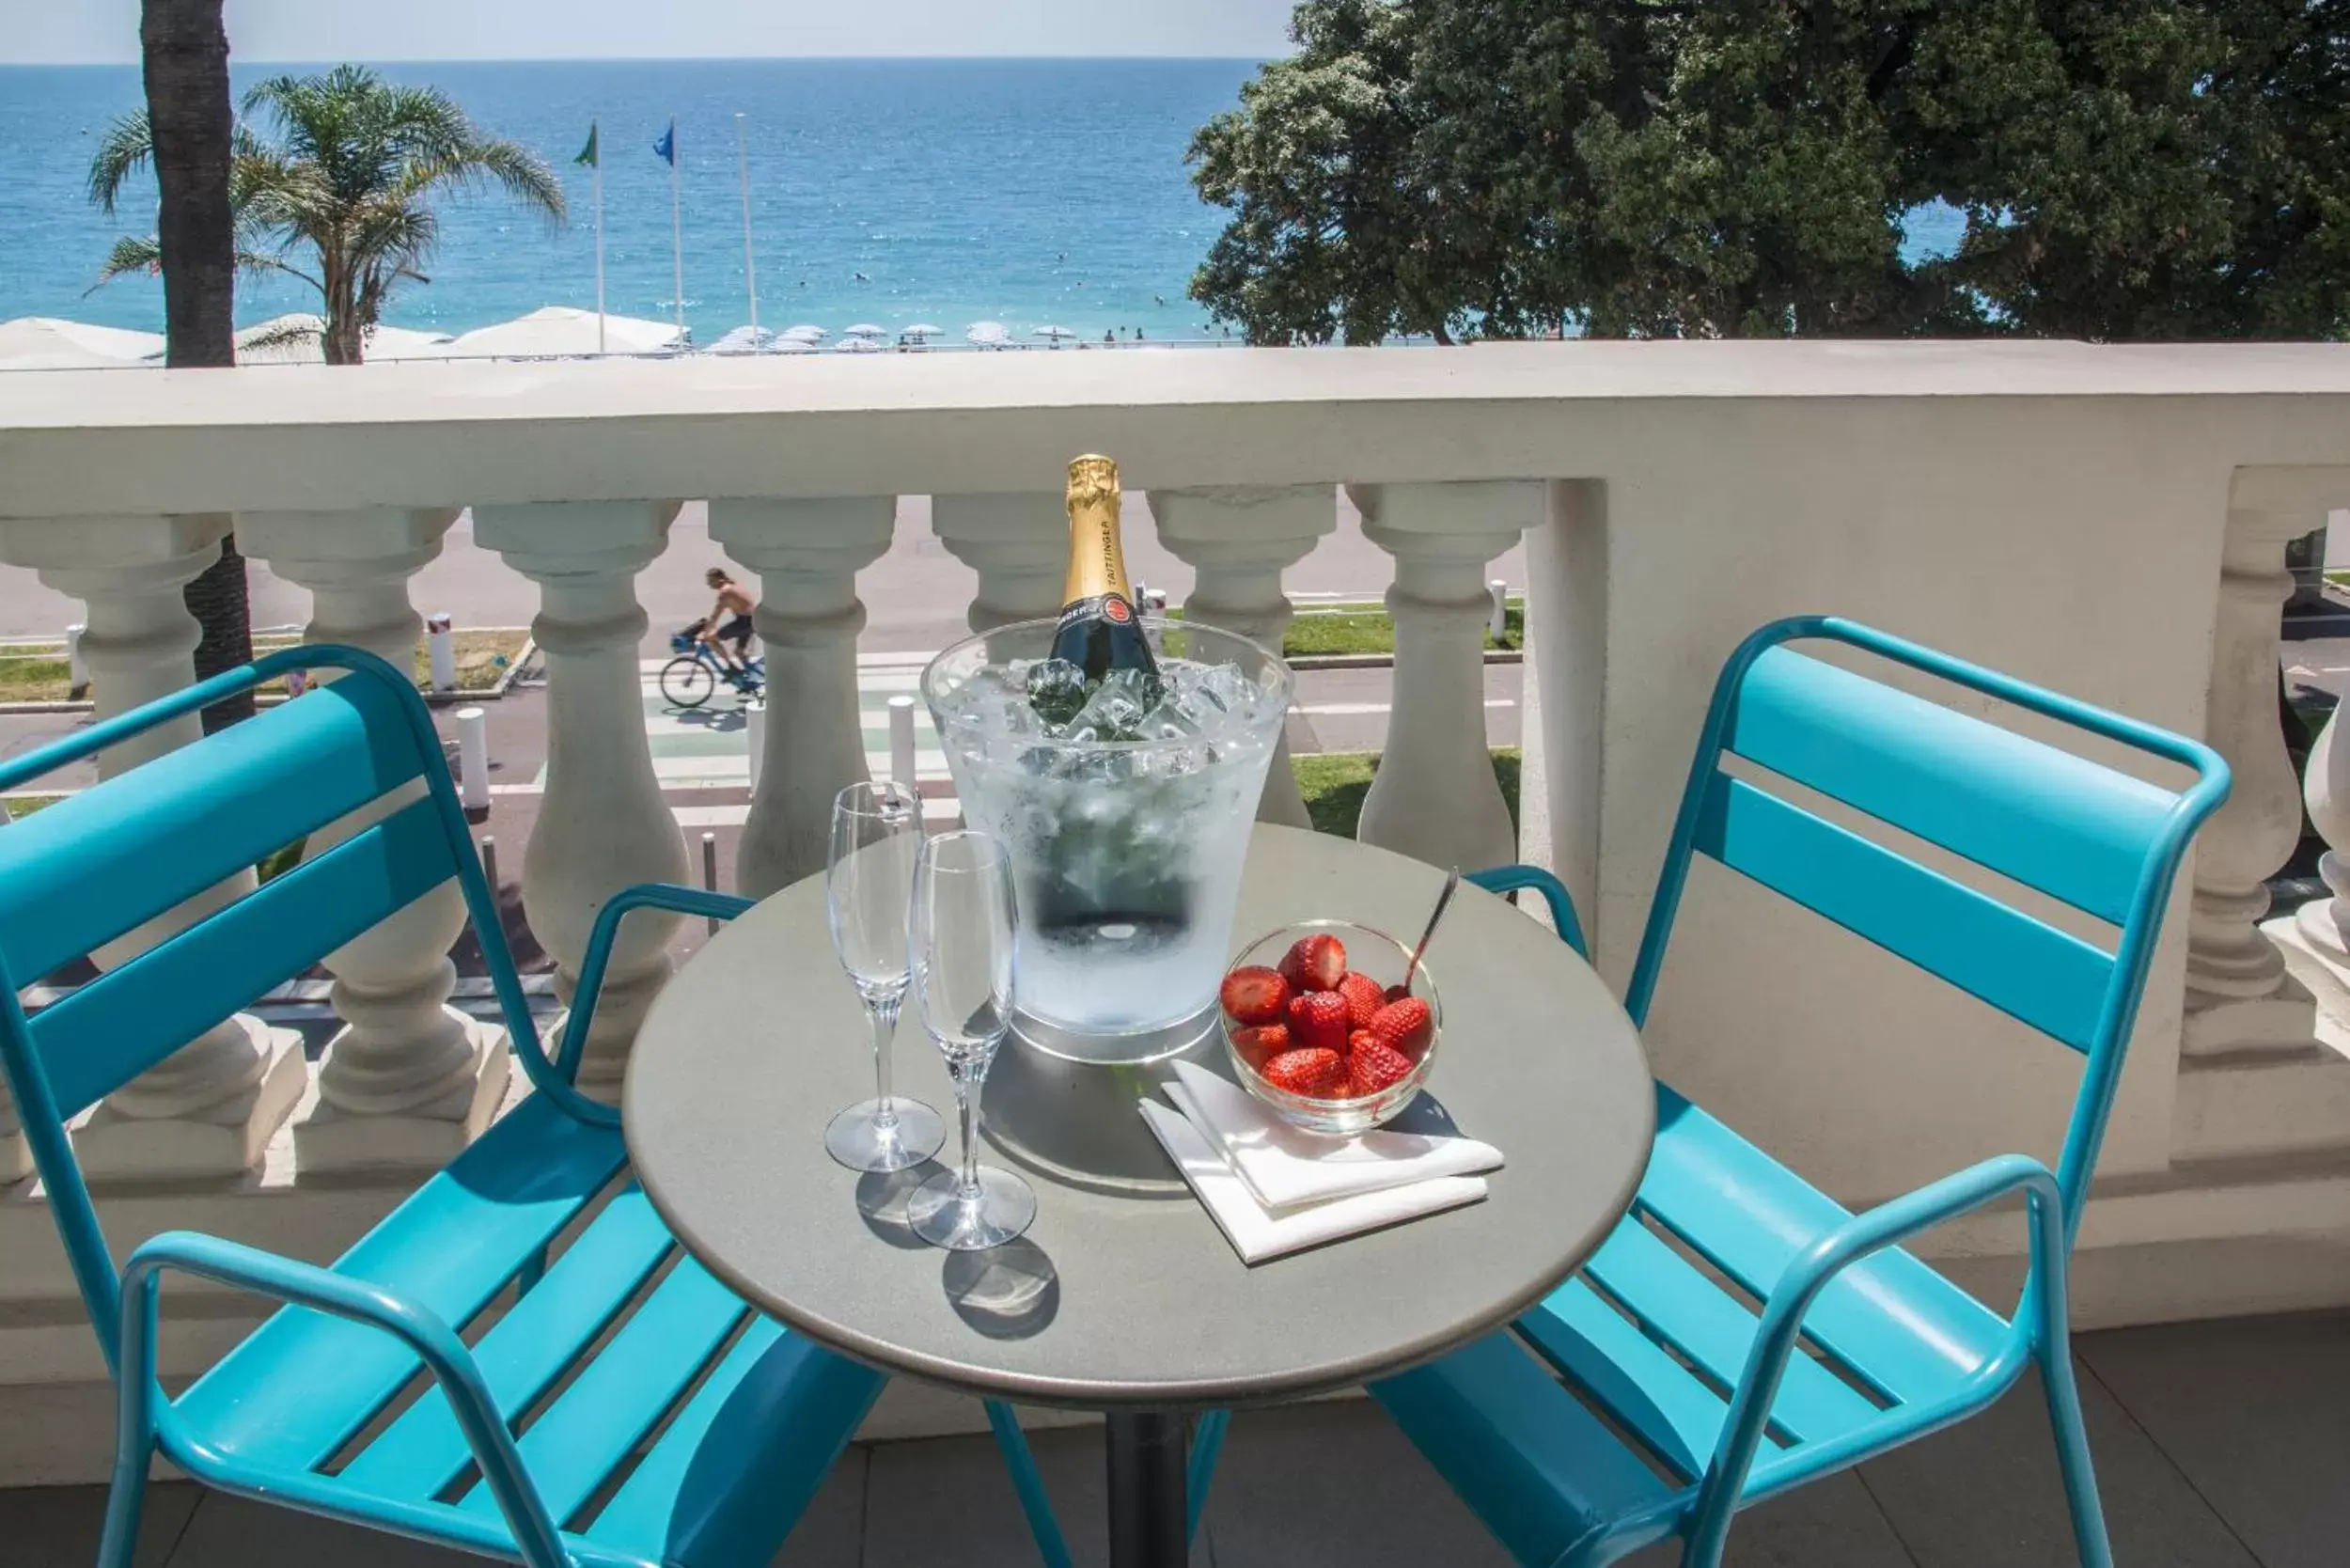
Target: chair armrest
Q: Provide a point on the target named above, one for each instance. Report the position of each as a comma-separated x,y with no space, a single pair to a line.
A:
645,895
1509,879
303,1284
1872,1231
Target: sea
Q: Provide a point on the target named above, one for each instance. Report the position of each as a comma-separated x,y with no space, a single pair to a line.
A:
1037,193
899,192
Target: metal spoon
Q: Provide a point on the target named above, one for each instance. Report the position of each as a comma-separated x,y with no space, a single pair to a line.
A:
1451,881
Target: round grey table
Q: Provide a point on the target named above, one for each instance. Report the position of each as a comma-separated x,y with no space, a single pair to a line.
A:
1131,1302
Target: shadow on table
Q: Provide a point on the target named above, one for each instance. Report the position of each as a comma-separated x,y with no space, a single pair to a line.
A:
881,1198
1005,1293
1427,1116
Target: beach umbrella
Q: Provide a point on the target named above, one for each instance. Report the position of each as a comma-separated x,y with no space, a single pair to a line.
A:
560,331
50,343
864,329
745,339
806,332
298,337
856,345
987,335
790,345
923,329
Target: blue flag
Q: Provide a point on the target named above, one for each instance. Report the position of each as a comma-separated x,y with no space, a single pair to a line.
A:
665,148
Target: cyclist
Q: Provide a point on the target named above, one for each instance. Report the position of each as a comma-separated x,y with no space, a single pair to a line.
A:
728,621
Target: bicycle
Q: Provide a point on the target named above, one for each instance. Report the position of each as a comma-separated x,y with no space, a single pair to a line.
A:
689,680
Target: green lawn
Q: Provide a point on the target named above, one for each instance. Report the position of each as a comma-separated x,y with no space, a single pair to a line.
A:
40,674
1372,632
1335,782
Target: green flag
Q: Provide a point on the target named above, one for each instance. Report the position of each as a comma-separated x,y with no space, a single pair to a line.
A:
587,153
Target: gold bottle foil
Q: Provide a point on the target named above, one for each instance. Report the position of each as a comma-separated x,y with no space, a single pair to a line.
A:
1097,560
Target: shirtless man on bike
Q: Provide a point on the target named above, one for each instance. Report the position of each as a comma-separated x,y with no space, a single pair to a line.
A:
728,620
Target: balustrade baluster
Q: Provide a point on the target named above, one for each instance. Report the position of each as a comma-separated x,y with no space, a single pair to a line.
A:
602,824
1238,540
210,1108
409,1080
808,554
1018,542
1435,795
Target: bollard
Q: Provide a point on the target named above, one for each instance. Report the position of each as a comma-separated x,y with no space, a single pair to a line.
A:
1142,599
490,864
1499,622
77,673
755,732
473,758
709,871
443,648
901,741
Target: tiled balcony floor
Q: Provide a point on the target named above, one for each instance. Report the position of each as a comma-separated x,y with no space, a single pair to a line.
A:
2220,1445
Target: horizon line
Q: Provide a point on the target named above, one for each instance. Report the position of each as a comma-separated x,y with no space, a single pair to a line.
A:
627,59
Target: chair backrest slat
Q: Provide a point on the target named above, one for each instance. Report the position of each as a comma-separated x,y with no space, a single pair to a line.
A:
2104,841
2048,818
2027,969
101,862
131,1018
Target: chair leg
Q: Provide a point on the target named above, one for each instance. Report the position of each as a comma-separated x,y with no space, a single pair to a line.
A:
2071,1441
1038,1508
126,1498
1207,1442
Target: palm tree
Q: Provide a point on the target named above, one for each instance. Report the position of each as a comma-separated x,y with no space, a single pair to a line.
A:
183,51
342,196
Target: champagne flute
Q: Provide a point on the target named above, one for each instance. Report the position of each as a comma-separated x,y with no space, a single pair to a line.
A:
959,937
876,831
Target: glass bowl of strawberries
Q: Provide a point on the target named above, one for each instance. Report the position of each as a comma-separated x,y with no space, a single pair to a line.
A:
1321,1027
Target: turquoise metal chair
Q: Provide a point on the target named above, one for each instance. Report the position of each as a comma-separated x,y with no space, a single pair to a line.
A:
694,1437
1658,1400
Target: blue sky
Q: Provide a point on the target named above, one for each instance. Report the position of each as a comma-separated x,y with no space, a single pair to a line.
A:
75,31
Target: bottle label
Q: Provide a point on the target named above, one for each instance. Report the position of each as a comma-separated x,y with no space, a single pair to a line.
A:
1111,608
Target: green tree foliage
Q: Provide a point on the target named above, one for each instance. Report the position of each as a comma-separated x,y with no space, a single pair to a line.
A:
2126,169
342,194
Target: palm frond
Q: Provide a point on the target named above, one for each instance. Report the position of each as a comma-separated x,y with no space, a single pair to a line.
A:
126,147
130,253
285,333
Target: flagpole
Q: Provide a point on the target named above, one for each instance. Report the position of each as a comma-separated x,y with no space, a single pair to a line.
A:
677,235
599,185
750,267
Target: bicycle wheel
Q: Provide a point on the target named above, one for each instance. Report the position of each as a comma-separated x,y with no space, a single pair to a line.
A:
686,681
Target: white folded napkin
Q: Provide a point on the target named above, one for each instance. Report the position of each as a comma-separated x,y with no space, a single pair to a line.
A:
1285,1167
1257,1233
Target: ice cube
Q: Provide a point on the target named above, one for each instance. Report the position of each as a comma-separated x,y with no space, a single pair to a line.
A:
1114,711
1055,689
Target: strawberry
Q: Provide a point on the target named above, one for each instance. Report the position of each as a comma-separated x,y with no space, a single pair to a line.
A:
1372,1066
1404,1028
1260,1042
1363,998
1313,1072
1254,994
1315,962
1319,1019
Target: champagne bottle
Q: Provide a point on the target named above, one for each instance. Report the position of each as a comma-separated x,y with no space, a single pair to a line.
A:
1101,629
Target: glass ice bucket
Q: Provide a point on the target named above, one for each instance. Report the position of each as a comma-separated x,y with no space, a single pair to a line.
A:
1126,854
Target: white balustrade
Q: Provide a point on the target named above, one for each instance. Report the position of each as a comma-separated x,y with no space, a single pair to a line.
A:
209,1109
1729,483
1435,795
601,824
808,554
409,1080
2239,995
1017,542
1239,539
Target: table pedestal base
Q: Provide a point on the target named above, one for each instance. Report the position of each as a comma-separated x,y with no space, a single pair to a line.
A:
1148,1509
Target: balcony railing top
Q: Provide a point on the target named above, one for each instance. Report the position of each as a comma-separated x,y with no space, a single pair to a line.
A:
294,438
